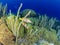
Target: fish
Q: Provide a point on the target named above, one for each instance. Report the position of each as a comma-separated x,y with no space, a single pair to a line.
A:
25,20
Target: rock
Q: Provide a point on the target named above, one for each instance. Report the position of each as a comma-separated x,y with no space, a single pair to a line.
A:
51,43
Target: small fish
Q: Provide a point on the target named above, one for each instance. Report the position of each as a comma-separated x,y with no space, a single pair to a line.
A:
25,20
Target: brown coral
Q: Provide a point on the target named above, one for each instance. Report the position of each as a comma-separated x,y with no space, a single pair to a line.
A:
6,37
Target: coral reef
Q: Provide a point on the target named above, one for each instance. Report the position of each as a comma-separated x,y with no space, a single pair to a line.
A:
26,28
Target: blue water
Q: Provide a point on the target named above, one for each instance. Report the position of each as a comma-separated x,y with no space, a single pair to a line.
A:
49,7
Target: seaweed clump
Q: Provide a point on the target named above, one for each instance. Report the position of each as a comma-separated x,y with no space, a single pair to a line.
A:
27,28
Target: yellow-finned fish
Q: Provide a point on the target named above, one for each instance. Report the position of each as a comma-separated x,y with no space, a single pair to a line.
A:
25,20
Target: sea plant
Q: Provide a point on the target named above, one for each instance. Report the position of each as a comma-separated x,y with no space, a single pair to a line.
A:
30,30
16,23
24,12
44,21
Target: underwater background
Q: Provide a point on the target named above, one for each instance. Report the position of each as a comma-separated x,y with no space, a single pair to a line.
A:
48,7
29,22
